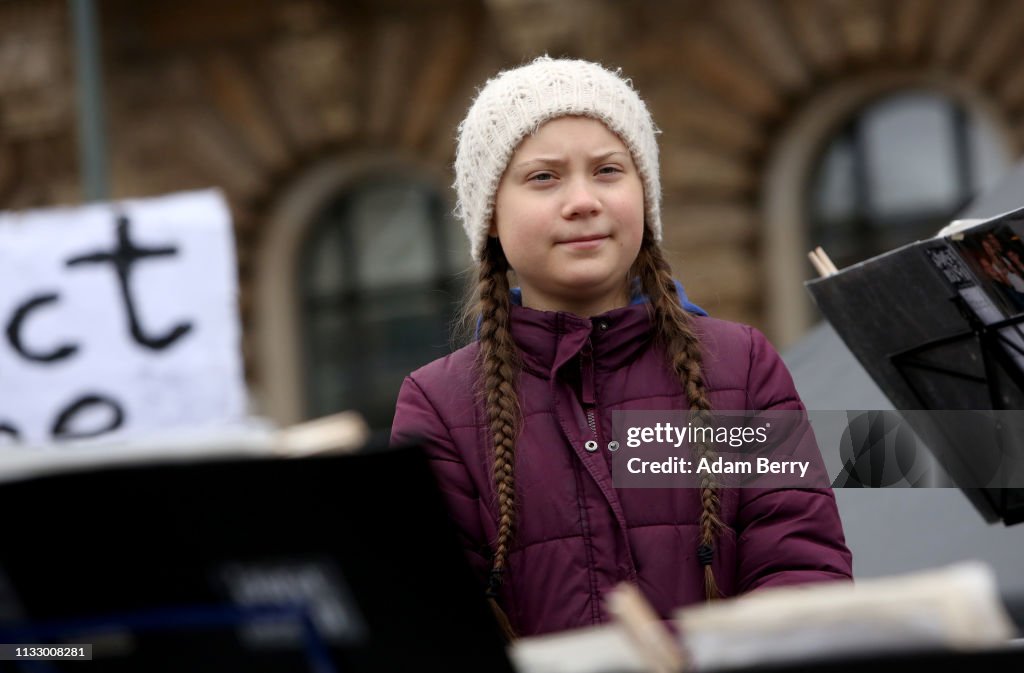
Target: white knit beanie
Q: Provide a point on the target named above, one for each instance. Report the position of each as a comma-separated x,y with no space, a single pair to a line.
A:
517,102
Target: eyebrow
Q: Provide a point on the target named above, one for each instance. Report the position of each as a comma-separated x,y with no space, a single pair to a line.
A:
561,161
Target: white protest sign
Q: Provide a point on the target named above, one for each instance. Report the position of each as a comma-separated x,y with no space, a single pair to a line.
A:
119,320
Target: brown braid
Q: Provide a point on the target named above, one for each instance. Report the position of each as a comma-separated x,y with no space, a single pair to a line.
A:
673,328
499,368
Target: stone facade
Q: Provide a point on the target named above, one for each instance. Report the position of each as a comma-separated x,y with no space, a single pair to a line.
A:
249,95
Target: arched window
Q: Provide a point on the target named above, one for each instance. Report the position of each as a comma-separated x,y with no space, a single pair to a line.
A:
898,171
378,289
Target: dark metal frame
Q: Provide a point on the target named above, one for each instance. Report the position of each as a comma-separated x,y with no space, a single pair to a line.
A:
990,342
988,338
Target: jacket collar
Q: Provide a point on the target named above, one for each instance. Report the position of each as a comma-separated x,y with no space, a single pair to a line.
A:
549,339
516,295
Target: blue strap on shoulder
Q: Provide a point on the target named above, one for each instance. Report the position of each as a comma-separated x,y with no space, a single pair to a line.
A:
638,298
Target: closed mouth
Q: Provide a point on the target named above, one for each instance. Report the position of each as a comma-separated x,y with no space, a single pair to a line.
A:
586,239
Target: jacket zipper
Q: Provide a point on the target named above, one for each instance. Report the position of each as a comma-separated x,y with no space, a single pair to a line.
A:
587,386
589,398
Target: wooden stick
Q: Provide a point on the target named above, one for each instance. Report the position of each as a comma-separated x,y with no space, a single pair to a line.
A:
652,639
819,266
343,432
826,259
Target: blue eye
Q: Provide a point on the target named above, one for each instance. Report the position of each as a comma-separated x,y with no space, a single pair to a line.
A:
609,170
542,177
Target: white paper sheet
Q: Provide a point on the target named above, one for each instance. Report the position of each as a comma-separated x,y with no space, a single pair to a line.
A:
181,275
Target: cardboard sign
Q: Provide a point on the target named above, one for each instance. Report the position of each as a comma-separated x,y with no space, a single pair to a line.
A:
118,320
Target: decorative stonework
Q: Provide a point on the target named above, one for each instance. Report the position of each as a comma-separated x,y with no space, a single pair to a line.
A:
36,96
250,95
528,28
36,105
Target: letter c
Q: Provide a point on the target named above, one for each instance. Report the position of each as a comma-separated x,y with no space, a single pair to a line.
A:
14,332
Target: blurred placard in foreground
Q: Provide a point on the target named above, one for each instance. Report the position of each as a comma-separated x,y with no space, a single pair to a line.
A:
952,608
950,615
118,319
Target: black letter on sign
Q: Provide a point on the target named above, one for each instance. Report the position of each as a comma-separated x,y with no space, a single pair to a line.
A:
61,429
122,258
14,332
10,431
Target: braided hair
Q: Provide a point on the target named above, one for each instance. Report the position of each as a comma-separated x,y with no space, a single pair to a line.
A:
499,368
672,328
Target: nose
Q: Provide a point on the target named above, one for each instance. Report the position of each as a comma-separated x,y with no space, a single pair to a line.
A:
580,200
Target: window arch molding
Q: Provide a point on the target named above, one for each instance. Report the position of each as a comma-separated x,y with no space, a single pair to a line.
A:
277,319
789,166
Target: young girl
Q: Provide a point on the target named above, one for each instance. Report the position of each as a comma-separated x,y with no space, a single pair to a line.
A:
557,181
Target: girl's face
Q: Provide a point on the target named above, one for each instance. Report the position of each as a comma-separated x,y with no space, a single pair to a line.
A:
570,216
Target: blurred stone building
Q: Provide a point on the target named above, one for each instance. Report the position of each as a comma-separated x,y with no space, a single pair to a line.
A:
854,124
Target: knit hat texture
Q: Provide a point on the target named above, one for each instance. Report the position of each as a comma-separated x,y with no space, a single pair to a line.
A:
516,102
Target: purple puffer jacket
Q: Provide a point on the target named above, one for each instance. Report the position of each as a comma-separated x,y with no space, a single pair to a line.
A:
578,536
